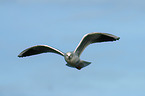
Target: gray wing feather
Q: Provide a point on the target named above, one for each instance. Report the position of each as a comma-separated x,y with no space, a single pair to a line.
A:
95,37
38,50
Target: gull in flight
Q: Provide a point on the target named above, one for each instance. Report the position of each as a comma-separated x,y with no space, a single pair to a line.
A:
72,58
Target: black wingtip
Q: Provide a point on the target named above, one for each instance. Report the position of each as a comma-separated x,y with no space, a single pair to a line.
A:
20,56
118,38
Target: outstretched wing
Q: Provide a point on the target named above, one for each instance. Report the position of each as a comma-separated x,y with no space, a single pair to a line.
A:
39,49
95,37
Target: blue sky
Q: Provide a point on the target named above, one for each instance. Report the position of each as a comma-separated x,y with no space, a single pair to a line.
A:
117,69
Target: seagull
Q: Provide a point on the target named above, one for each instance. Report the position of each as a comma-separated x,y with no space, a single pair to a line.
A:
72,58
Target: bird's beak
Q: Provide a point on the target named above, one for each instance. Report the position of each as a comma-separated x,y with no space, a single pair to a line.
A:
69,57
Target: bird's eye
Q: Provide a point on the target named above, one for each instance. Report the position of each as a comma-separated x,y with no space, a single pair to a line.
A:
67,56
70,56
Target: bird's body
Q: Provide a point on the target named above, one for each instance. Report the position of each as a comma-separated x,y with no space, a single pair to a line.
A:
74,61
72,58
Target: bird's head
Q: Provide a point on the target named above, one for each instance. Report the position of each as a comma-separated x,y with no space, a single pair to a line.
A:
69,56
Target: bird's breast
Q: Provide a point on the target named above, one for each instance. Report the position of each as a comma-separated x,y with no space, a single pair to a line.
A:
73,61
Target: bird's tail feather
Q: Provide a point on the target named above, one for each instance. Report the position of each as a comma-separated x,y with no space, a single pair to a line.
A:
82,64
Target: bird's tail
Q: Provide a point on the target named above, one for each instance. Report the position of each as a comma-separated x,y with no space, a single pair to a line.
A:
82,64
